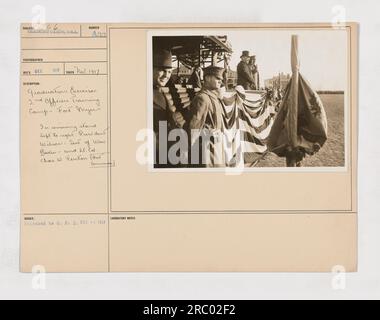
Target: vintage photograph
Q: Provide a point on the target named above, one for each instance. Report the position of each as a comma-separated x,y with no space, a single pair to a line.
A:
249,99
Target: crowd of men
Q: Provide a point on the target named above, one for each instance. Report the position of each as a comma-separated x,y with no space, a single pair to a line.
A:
206,109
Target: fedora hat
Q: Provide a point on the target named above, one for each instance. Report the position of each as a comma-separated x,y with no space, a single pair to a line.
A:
162,59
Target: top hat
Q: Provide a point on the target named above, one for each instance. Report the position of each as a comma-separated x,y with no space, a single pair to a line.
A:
245,53
214,71
162,59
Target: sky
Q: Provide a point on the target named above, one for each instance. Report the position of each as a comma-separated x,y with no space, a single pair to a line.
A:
322,54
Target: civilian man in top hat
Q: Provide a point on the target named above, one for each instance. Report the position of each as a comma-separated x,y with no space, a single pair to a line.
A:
244,73
206,115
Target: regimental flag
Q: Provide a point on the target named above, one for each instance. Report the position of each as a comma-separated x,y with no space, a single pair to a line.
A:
310,124
301,124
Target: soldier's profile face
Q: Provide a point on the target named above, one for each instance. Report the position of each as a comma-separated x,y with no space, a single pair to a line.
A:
161,76
213,82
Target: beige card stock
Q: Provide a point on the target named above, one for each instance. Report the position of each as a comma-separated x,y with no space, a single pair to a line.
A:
89,205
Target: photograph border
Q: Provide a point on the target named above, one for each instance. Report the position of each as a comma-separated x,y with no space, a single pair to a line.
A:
230,170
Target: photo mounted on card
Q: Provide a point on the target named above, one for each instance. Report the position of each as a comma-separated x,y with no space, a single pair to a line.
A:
233,110
189,147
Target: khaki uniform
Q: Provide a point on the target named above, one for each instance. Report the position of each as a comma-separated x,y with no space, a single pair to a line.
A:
206,115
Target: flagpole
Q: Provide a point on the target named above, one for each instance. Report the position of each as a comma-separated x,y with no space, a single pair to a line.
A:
293,105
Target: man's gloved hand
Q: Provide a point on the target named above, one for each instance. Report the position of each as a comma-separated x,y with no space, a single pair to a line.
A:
176,118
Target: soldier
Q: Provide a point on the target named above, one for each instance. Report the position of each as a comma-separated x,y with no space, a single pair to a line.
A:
206,117
255,72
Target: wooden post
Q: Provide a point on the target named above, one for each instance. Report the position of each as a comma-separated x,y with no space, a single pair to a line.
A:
200,58
214,56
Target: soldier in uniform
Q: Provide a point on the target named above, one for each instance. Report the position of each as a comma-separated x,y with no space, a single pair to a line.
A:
206,115
255,72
